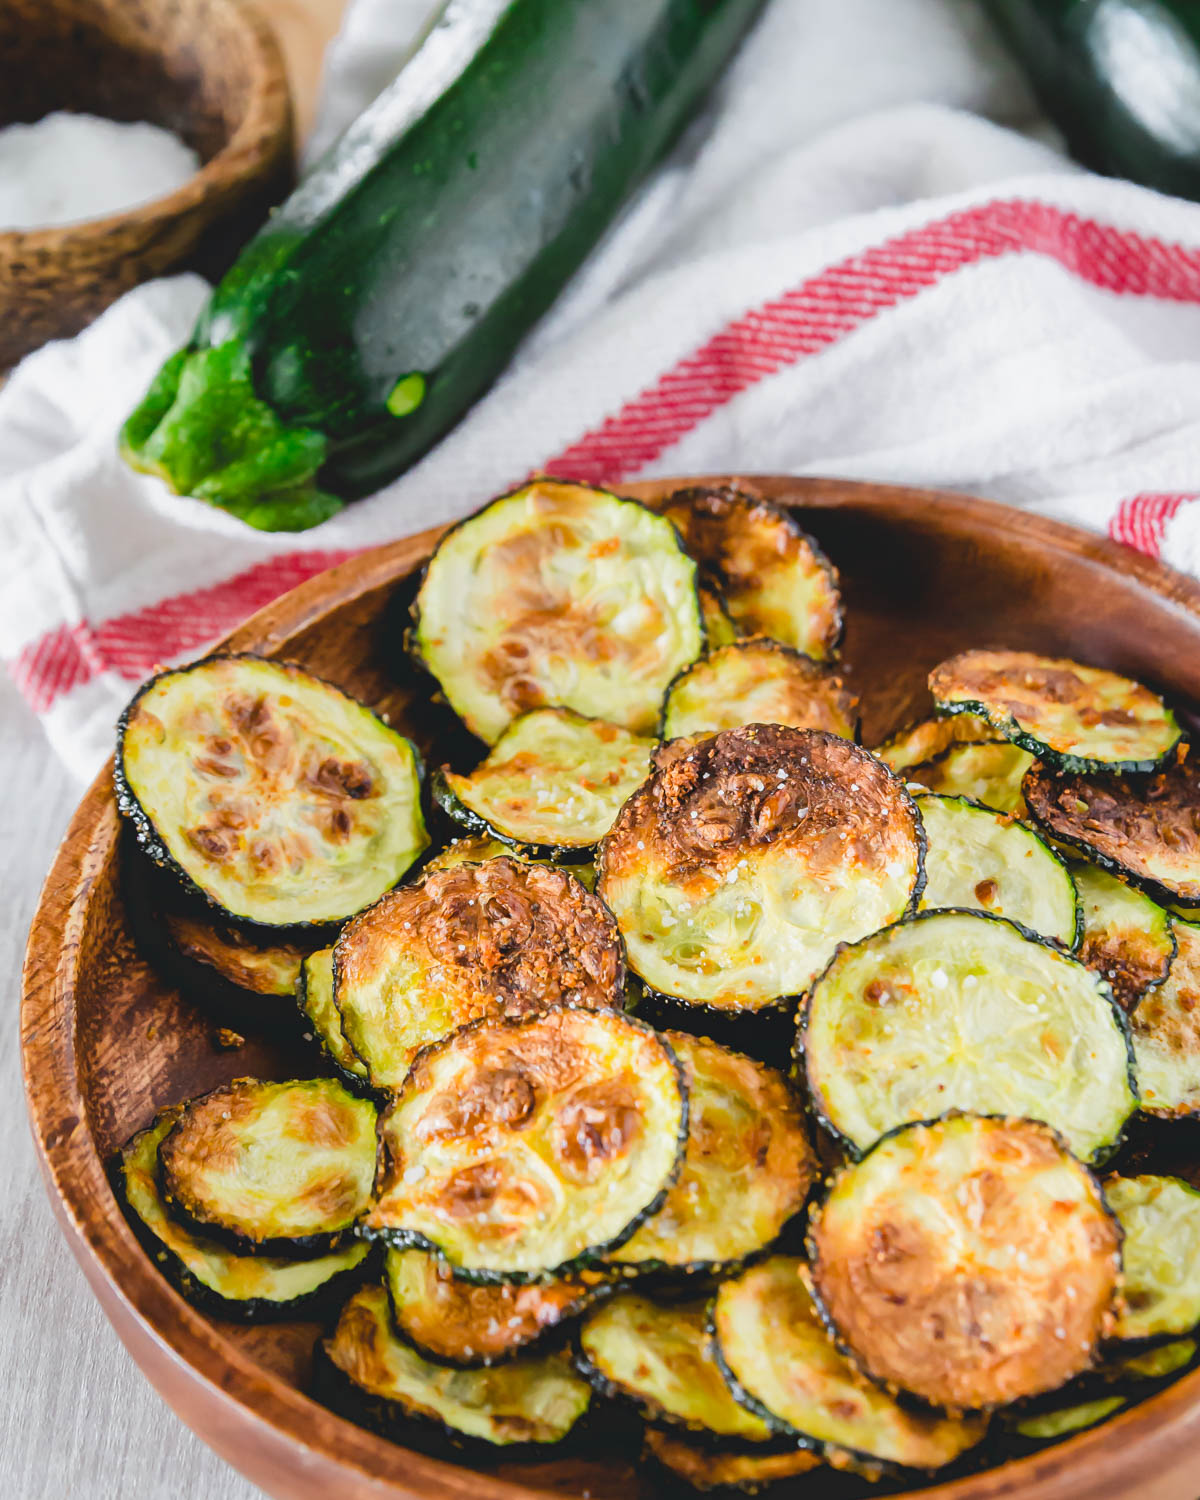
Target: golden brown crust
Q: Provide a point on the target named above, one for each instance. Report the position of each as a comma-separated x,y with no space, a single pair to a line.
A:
225,949
706,1468
1130,960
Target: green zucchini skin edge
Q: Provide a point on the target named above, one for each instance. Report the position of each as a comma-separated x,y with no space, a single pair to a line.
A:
1074,765
854,1153
144,831
1071,948
470,821
351,1082
899,1395
591,1258
321,1306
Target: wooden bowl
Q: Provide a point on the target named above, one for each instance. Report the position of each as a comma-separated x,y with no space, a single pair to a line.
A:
211,71
106,1043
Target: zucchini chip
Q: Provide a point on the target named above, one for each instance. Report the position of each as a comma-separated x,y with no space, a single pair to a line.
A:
736,870
927,739
271,1168
991,774
757,682
1153,1364
454,1322
314,994
386,1385
773,577
557,594
553,782
747,1168
221,953
979,858
970,1261
656,1357
1127,938
1045,1426
1166,1032
476,848
282,800
782,1365
719,629
244,1288
1075,718
521,1149
498,939
1160,1219
1143,827
960,1010
708,1468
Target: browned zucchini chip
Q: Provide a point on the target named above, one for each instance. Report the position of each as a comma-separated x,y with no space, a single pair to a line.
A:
707,1468
926,739
476,848
1074,717
558,594
656,1357
502,938
1160,1220
969,1261
736,870
388,1386
1127,938
245,1288
314,994
1144,827
520,1149
279,798
782,1365
553,782
271,1168
1166,1032
961,1010
757,682
773,577
456,1322
747,1168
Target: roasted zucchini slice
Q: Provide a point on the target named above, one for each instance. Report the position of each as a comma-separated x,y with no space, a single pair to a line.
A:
1076,718
502,938
656,1356
927,739
521,1149
557,595
1153,1364
1160,1219
454,1322
476,848
1046,1426
757,682
706,1467
773,577
782,1365
1143,827
553,782
747,1168
386,1385
1166,1032
314,994
960,1010
991,773
736,870
244,1288
970,1261
719,629
1127,938
271,1168
283,801
979,858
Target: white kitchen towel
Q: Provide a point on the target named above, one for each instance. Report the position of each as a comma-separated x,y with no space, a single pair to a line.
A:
844,269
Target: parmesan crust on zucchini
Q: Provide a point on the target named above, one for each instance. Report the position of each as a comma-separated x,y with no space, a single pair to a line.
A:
757,682
558,595
520,1149
1074,717
960,1010
924,740
736,870
275,795
970,1261
1127,938
477,848
1166,1032
504,938
553,782
1160,1219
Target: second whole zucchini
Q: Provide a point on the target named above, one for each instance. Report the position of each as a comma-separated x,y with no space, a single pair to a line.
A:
387,293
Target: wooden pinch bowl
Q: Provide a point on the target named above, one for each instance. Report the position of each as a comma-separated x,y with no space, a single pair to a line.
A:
209,70
105,1042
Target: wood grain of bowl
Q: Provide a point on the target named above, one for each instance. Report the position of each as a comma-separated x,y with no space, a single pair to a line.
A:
209,70
105,1042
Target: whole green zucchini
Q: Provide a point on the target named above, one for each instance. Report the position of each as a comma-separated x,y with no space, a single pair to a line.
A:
385,295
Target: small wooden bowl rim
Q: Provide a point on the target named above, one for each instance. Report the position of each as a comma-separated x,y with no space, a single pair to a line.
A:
249,152
1097,1463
